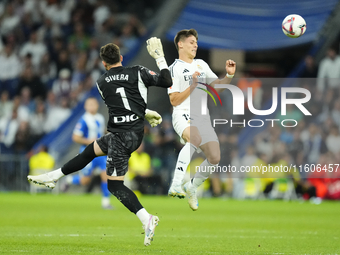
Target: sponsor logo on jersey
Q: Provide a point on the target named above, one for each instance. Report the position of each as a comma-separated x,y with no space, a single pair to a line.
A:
189,77
180,169
126,118
186,71
152,72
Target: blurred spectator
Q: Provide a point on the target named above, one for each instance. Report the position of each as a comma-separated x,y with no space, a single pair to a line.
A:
79,73
101,14
38,120
336,112
295,148
56,47
34,47
8,129
333,140
329,71
22,110
138,28
327,104
63,61
165,138
80,38
73,53
140,171
83,12
287,135
104,33
27,26
10,68
47,70
269,142
128,39
26,100
6,105
48,31
23,139
63,86
250,157
59,11
27,62
9,20
57,115
311,70
313,144
34,7
33,83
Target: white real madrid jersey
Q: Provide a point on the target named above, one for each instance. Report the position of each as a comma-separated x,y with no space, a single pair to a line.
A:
181,73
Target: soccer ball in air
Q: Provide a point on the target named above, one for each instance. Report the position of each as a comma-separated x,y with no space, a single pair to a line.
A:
294,26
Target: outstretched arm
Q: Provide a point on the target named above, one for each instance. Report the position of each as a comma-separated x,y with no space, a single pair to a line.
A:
155,49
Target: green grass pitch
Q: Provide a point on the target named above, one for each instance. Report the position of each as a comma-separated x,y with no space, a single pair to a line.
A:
76,224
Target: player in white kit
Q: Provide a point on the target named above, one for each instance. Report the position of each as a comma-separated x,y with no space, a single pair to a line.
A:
195,130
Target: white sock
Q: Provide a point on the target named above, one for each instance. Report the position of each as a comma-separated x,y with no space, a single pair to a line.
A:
56,174
184,158
143,216
105,201
69,179
202,174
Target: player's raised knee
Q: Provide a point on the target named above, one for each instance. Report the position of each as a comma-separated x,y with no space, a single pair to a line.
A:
214,159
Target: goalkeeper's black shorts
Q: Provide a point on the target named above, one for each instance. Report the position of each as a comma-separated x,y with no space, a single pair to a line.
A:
118,148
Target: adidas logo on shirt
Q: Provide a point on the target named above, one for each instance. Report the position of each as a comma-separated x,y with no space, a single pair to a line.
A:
186,71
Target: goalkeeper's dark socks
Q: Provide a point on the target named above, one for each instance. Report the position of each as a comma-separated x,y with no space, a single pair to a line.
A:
124,195
79,161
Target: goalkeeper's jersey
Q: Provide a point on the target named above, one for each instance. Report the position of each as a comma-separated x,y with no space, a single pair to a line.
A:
124,90
181,74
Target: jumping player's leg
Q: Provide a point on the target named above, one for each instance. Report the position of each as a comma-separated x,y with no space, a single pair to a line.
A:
193,139
212,152
77,163
119,147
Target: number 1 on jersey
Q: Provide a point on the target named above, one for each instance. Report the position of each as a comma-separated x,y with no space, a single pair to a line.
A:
121,91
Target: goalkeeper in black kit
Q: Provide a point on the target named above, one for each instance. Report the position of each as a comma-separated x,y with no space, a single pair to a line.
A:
124,90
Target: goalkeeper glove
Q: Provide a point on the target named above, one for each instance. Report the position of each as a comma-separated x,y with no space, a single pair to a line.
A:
153,117
155,49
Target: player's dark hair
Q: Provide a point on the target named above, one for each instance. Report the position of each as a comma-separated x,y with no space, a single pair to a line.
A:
185,33
110,53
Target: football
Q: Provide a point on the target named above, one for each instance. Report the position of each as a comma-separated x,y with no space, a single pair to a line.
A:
294,26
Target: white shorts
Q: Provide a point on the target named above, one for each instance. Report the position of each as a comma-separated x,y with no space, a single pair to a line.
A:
181,119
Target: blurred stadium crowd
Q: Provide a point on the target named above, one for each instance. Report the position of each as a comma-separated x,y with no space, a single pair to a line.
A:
49,60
